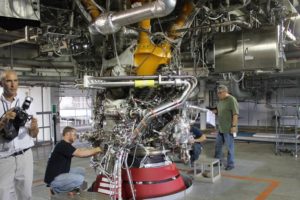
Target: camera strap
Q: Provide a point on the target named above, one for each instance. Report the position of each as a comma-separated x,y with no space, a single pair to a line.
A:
5,106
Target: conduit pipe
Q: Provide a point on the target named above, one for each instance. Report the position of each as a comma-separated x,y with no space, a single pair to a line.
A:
111,22
204,110
26,38
237,92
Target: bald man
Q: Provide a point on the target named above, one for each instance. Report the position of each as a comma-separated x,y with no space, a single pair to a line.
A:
16,162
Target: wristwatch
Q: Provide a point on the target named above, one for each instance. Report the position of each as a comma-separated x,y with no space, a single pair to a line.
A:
233,126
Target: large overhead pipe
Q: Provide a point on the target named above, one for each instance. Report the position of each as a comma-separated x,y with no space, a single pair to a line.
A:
111,22
238,92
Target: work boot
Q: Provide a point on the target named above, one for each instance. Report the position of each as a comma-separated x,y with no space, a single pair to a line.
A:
228,168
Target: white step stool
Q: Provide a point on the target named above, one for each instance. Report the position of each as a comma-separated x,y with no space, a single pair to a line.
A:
208,173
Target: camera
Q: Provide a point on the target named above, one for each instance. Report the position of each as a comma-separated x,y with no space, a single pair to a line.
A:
11,130
21,116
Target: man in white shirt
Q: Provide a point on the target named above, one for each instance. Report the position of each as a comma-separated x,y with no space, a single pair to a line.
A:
16,161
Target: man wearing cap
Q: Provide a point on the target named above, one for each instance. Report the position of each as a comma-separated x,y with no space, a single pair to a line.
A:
227,111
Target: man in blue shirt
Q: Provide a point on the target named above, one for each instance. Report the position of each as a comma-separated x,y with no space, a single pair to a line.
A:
197,146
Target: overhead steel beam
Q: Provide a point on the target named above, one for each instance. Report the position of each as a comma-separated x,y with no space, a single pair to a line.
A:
36,63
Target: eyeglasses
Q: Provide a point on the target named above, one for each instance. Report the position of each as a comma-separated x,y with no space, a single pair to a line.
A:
220,92
74,134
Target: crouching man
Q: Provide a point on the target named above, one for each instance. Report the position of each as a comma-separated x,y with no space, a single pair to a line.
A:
59,174
199,137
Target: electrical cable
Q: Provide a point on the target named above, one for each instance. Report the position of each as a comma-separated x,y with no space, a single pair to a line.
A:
115,50
215,18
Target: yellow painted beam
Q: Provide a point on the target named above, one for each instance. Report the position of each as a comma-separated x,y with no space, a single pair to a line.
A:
91,8
148,56
187,10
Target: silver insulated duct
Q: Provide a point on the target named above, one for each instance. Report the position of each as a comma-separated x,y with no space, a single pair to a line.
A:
111,22
248,50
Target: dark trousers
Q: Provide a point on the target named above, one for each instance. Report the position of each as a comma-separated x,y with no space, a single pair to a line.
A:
195,152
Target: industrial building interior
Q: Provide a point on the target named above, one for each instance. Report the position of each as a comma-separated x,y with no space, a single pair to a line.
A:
131,75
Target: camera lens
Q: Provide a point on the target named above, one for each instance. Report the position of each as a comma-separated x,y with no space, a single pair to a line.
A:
26,103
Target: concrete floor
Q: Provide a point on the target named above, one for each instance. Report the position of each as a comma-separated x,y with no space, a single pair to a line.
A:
259,175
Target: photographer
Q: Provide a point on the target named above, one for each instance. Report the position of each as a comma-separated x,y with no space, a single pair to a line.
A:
16,161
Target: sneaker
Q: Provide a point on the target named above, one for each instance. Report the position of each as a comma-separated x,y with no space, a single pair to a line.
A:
83,185
228,168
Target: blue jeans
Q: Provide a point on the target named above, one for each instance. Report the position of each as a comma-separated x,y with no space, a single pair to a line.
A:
228,140
196,151
67,182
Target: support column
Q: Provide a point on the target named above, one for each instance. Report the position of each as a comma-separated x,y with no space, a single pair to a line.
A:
56,134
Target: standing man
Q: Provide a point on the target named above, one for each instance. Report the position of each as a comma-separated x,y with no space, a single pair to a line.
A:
227,112
16,161
59,174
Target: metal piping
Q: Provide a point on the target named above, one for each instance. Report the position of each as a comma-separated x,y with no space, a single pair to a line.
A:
125,33
112,78
91,82
197,108
229,7
130,33
227,23
167,107
111,22
288,72
25,39
189,82
237,92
